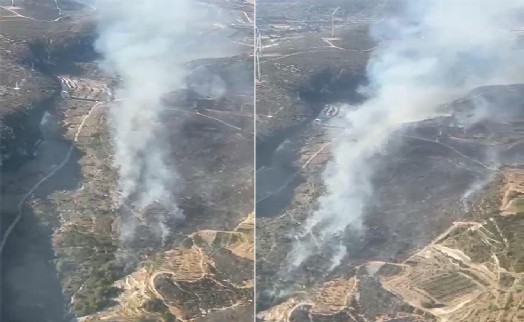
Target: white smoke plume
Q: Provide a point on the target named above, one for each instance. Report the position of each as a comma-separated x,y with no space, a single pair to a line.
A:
144,43
433,51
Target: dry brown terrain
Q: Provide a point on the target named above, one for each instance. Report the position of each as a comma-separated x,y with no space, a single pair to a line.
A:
441,240
60,216
187,281
471,272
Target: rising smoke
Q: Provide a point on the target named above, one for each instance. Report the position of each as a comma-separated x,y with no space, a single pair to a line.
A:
432,52
146,43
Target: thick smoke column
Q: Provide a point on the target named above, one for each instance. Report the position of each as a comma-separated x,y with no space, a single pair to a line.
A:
142,41
432,53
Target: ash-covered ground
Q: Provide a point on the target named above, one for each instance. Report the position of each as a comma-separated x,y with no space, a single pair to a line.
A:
436,242
62,257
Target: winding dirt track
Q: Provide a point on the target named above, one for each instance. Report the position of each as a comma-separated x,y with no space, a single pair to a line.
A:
20,207
12,10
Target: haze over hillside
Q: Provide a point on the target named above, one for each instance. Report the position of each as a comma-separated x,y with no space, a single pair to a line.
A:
126,164
394,138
